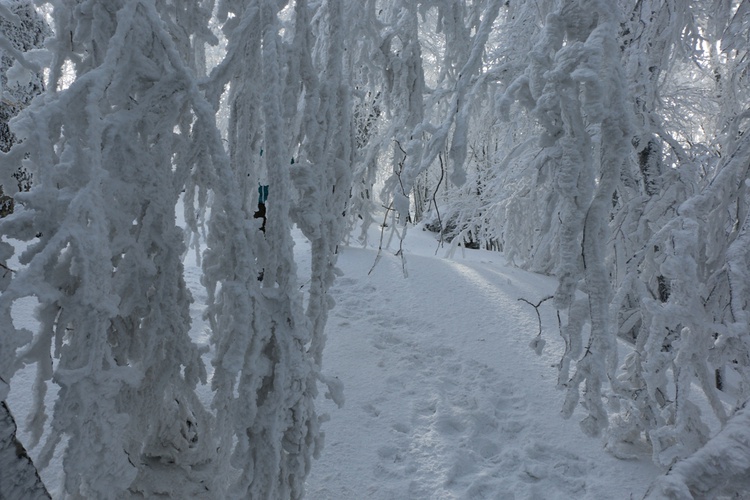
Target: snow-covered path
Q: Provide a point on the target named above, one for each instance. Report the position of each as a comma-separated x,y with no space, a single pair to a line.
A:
445,399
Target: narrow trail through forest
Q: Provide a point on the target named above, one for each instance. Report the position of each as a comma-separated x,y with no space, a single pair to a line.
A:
445,398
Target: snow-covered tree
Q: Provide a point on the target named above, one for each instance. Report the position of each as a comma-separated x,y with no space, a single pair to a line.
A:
103,257
604,143
126,127
578,93
22,29
619,171
288,100
671,264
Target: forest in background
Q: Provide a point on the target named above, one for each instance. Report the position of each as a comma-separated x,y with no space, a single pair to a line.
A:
600,142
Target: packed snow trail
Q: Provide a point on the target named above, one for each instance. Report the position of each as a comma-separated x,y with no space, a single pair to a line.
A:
445,399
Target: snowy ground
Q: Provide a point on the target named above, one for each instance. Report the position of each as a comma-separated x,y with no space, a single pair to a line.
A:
444,397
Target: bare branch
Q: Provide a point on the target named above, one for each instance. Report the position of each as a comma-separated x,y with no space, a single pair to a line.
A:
537,343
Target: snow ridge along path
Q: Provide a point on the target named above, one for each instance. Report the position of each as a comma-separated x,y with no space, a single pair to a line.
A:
445,398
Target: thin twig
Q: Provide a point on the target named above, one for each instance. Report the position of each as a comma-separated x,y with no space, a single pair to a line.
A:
402,235
434,201
400,253
7,268
536,308
382,233
398,174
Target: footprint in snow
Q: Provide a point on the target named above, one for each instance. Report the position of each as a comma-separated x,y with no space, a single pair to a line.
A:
456,434
469,437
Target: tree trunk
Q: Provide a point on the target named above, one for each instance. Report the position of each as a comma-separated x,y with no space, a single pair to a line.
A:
18,476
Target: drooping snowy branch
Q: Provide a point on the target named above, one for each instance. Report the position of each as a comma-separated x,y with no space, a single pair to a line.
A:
104,258
289,127
718,468
579,98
